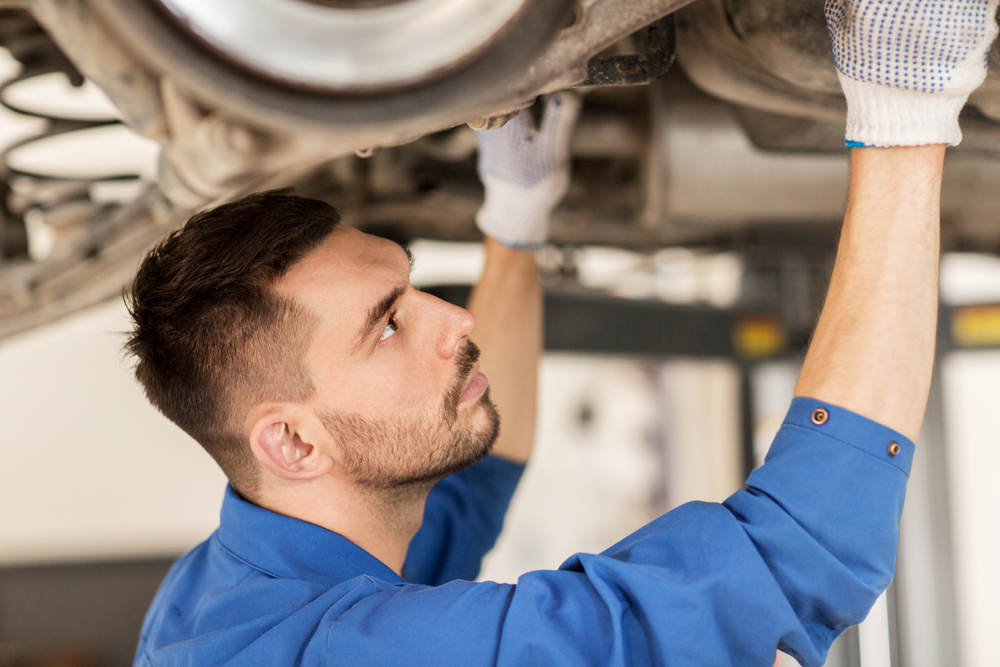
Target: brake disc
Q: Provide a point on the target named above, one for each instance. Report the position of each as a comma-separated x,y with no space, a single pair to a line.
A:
346,46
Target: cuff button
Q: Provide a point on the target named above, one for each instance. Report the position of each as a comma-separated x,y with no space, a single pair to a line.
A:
819,416
892,449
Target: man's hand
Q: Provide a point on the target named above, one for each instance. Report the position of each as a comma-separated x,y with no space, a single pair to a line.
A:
525,171
907,68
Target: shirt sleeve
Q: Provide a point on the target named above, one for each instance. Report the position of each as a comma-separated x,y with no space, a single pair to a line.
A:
788,562
462,520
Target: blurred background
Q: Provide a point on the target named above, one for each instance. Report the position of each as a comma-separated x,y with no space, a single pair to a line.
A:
687,268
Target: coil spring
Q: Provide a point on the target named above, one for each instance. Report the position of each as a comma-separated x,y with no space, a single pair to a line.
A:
58,200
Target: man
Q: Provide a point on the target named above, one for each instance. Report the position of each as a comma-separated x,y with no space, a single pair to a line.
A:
335,397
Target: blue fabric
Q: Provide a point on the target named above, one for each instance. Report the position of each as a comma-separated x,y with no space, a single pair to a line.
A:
463,517
789,562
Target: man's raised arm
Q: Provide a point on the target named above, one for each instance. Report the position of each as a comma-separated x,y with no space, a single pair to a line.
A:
507,303
906,70
525,171
873,350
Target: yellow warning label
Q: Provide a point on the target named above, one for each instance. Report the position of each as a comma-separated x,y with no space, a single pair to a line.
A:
976,326
758,337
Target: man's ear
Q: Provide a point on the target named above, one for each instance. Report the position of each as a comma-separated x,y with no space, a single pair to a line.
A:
288,442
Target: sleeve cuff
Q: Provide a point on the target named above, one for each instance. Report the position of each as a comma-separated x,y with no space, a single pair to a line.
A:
852,429
879,115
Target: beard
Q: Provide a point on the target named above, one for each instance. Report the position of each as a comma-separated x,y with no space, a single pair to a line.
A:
402,452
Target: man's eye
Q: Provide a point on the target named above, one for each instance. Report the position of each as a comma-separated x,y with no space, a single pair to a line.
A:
390,329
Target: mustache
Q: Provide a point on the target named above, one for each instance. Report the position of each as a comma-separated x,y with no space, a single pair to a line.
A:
465,362
467,359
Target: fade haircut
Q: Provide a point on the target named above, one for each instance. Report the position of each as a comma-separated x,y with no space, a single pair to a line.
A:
211,336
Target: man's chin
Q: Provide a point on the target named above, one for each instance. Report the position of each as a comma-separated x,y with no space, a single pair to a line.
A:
475,446
431,477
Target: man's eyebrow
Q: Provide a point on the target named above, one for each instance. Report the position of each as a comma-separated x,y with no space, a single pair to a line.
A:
376,313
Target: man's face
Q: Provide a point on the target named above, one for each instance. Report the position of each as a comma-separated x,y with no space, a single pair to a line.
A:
397,381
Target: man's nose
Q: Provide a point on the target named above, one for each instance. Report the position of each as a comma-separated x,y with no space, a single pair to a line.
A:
456,327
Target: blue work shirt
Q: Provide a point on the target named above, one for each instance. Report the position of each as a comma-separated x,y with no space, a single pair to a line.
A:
789,562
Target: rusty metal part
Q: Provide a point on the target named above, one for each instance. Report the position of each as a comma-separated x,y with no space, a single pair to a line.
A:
628,69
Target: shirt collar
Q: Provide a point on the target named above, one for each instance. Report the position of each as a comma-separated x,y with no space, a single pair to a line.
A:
292,549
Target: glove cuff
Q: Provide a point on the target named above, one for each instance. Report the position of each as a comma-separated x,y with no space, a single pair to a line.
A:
516,216
881,115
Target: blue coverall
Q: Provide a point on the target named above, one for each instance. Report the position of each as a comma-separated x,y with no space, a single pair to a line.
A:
788,562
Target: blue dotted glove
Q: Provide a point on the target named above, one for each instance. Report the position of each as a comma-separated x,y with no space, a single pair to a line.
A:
525,172
908,66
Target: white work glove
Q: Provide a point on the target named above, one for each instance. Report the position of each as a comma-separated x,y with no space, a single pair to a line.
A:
525,171
907,66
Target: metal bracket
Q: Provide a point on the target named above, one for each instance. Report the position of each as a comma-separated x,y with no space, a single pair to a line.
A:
628,70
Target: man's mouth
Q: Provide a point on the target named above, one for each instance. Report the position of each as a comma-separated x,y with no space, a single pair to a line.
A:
476,387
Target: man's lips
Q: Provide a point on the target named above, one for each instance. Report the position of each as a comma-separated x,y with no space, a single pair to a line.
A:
476,387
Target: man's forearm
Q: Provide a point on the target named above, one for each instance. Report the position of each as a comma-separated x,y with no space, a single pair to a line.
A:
873,350
507,304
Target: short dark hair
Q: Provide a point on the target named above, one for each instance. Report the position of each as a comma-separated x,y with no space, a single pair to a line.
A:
211,336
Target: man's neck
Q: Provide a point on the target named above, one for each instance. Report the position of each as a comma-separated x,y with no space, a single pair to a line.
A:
387,522
382,522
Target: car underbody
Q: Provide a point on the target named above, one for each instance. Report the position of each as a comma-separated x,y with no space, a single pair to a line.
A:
738,147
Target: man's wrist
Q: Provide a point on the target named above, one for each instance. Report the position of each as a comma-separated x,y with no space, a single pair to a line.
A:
500,253
516,268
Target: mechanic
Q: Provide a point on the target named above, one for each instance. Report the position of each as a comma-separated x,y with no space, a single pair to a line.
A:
352,416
